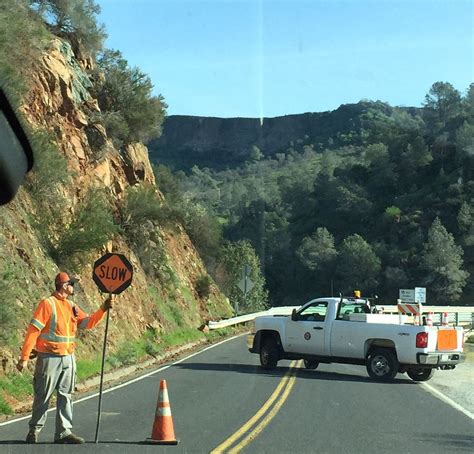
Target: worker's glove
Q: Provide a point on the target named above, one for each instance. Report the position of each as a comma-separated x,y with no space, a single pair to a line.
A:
21,364
33,354
108,303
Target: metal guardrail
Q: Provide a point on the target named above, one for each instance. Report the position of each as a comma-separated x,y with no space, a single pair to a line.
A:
457,315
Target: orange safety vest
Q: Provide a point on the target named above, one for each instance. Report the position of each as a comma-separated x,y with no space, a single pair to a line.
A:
57,321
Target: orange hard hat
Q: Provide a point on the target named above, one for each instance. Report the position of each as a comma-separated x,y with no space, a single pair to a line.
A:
62,278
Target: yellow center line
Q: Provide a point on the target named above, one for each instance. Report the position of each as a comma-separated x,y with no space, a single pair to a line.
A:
266,420
245,428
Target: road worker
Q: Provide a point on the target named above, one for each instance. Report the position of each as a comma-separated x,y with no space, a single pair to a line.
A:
50,335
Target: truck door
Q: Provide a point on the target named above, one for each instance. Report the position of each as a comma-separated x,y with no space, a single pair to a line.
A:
305,334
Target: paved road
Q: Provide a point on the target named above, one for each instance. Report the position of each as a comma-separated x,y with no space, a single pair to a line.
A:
334,409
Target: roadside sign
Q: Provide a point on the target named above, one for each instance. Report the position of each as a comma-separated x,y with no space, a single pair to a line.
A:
112,273
407,295
420,295
245,284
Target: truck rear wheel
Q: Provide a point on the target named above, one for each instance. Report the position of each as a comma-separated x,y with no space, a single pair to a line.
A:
269,354
311,363
382,364
420,374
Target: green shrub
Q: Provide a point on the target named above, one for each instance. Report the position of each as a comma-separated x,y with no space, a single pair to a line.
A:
150,342
128,353
8,320
235,256
17,386
205,232
5,409
127,92
10,290
141,204
22,38
88,368
393,212
115,125
75,20
92,226
180,337
49,171
203,285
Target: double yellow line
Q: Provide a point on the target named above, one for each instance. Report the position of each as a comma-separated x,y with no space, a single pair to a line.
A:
251,427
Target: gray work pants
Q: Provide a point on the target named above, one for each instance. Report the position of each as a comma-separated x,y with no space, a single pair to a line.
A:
53,373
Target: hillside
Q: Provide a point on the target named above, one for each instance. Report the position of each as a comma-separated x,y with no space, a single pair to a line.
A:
368,196
83,198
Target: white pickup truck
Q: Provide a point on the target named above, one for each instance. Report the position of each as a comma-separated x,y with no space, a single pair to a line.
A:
339,330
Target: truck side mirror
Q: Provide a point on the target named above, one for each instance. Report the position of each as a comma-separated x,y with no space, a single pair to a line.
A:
16,154
293,315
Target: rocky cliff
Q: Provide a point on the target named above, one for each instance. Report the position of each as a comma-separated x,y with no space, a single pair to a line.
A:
59,102
221,142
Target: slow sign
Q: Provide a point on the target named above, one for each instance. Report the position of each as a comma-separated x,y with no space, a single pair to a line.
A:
112,273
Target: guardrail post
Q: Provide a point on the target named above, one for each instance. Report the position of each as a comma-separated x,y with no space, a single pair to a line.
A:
456,318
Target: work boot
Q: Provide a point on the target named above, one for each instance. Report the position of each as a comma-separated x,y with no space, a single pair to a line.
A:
32,437
71,439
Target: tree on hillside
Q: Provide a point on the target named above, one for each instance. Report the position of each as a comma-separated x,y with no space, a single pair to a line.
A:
357,266
442,104
382,178
76,19
131,113
317,250
469,101
255,154
442,265
417,154
465,220
234,257
465,140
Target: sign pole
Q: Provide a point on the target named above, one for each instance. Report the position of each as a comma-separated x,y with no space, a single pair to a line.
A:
112,273
102,375
245,289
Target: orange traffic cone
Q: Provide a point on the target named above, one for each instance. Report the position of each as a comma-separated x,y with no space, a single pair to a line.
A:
163,429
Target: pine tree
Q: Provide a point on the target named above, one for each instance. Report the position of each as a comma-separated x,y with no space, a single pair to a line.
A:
317,250
358,265
442,263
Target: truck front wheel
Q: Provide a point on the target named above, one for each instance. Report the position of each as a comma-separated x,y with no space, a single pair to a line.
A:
269,354
382,364
420,374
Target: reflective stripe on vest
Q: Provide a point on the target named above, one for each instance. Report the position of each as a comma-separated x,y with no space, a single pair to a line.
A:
51,336
37,324
84,323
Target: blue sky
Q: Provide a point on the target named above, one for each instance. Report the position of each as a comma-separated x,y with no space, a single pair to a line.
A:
252,58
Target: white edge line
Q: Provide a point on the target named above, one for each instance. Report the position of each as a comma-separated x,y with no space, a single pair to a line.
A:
131,381
447,400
